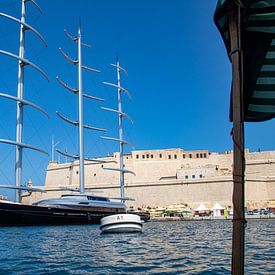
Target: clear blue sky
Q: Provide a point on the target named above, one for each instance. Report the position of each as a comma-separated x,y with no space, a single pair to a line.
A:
179,78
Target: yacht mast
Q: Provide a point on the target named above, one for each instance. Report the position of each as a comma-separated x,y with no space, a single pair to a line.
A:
80,122
120,129
121,115
80,117
22,62
19,110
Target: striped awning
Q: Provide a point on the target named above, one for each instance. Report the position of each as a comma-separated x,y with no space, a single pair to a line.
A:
258,47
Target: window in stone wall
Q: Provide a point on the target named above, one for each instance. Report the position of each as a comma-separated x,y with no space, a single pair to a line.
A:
190,156
147,155
175,156
198,155
137,156
169,156
204,155
143,156
201,155
193,176
94,174
186,177
160,156
200,176
183,156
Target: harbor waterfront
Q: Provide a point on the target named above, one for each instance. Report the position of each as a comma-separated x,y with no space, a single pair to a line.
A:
163,248
205,206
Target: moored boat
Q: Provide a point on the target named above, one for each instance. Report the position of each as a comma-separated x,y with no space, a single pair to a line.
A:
66,212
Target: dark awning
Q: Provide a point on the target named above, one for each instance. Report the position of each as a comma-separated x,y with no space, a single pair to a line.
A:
258,46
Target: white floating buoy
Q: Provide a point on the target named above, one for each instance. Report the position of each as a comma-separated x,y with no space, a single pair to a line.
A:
121,223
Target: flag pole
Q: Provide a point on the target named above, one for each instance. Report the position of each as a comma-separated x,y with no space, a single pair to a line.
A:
237,263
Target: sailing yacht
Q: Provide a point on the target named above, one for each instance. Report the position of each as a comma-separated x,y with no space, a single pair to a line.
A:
80,208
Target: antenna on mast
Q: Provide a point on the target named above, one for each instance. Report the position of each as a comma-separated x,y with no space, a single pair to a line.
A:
79,22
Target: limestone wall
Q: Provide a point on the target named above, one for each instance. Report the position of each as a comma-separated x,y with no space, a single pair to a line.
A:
171,176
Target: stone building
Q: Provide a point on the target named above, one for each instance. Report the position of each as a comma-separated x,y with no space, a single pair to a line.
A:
170,176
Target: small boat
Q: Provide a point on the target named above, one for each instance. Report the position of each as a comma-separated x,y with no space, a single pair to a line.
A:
121,223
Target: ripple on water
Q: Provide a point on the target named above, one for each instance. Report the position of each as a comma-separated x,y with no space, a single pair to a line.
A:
163,248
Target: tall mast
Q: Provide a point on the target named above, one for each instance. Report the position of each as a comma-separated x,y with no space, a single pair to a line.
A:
22,62
19,110
120,129
80,122
80,117
121,115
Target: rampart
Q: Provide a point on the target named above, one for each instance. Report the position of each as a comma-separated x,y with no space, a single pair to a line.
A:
171,176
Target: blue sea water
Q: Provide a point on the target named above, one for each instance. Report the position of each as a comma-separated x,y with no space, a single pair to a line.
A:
202,247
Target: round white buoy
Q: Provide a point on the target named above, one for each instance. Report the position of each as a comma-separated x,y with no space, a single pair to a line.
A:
121,223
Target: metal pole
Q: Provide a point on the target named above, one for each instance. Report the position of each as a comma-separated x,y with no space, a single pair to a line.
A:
237,264
52,148
19,110
66,158
121,164
80,115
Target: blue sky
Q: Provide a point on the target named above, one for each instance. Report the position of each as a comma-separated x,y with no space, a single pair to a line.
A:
179,78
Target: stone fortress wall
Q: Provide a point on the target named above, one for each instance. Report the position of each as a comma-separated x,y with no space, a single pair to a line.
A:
171,176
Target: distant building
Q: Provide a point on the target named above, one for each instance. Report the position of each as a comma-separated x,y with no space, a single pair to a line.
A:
171,176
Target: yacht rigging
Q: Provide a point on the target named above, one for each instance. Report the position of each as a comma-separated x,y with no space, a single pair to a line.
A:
78,208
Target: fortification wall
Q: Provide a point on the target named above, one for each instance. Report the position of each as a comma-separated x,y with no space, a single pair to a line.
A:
171,176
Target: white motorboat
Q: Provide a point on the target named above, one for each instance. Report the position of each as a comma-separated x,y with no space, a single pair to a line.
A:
121,223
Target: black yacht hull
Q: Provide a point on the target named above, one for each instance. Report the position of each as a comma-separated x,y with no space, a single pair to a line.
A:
12,214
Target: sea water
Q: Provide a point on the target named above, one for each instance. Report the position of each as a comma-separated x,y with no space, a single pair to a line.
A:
191,247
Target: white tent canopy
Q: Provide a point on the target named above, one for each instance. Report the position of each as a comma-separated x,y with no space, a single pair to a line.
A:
201,207
217,206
